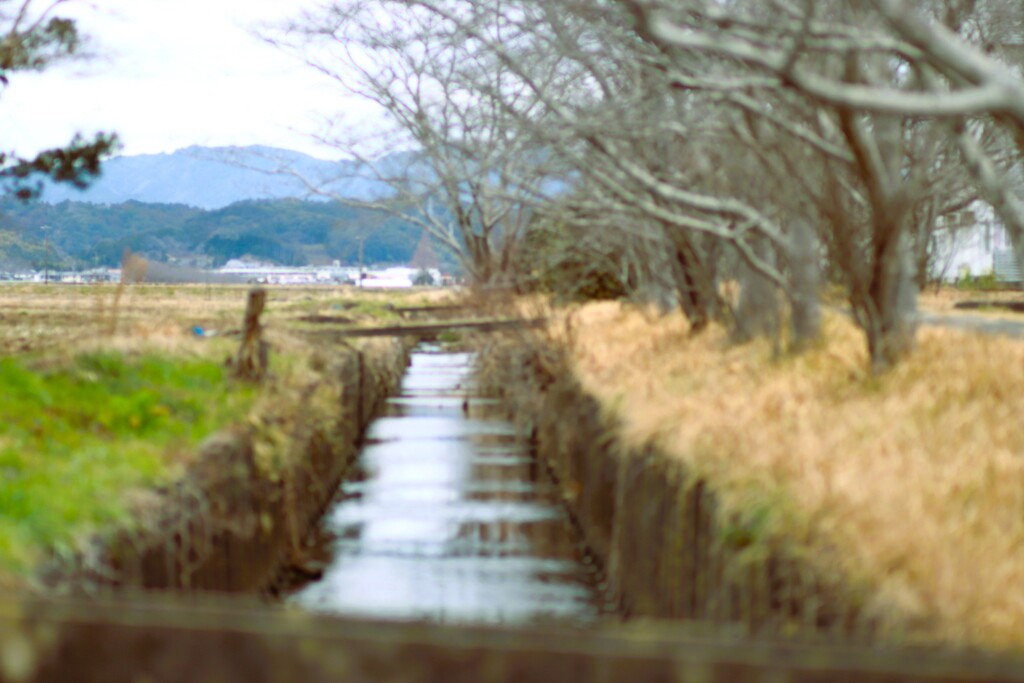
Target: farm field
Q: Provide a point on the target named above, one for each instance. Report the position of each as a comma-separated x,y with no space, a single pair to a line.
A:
106,394
35,318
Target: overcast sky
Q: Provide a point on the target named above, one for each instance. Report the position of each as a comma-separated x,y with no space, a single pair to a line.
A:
173,73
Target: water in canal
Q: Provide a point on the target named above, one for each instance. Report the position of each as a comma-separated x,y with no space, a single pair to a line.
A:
448,517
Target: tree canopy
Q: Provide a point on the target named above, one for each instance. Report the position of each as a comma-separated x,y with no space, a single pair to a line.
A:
32,38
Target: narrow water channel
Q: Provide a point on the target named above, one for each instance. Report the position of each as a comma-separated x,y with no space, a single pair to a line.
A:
448,517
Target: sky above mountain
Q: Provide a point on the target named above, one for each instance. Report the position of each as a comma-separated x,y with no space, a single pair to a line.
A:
173,73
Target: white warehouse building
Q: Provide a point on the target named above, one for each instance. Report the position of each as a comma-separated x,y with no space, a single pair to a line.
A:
973,244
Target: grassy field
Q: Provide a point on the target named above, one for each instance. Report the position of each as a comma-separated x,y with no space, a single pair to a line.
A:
105,393
910,484
80,433
39,317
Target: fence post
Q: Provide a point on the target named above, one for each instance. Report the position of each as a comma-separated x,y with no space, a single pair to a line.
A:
251,361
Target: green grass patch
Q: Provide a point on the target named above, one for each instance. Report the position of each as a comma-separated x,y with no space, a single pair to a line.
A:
449,337
375,310
365,309
75,438
986,282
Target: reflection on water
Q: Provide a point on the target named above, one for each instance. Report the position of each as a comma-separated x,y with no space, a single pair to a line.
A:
447,517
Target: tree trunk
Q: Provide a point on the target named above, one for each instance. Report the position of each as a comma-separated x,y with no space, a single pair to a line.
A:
757,312
694,285
924,227
804,255
252,359
888,313
479,263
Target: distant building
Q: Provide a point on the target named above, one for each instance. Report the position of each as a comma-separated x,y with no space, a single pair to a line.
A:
972,244
398,277
267,273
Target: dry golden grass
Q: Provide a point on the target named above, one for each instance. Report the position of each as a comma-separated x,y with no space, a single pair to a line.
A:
911,484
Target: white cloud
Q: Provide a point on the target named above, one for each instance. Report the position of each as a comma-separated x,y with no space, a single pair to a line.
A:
171,73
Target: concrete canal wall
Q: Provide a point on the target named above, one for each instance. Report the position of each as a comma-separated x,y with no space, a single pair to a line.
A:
668,549
164,641
239,515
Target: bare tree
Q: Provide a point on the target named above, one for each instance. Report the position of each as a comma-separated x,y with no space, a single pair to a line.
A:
624,132
870,169
466,176
958,53
707,139
968,68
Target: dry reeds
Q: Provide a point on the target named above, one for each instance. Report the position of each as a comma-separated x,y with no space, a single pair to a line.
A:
911,483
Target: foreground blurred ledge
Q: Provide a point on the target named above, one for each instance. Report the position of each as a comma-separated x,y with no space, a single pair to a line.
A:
168,639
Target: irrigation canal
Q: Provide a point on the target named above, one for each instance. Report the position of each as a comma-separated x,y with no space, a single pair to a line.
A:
445,541
448,517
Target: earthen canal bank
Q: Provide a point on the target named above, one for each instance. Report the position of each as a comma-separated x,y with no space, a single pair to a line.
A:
666,548
235,522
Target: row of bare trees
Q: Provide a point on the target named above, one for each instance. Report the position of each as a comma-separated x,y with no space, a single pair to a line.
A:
775,144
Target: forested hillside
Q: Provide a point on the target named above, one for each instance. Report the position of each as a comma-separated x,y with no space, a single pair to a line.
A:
288,232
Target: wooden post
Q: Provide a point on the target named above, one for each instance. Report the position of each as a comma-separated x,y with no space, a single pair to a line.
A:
251,361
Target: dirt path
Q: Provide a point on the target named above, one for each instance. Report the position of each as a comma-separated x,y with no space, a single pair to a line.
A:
986,324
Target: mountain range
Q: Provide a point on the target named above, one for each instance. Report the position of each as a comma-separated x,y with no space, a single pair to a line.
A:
207,205
216,177
283,231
